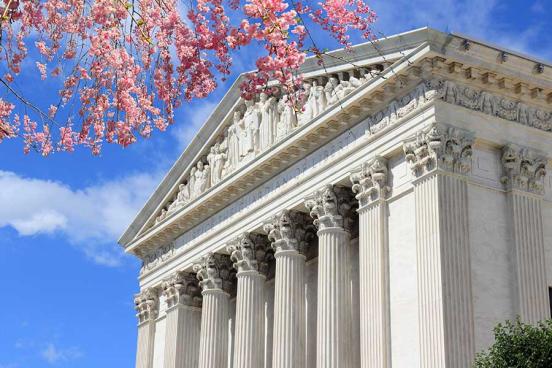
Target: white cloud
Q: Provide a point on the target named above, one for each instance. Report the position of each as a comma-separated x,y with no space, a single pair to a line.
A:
53,354
476,18
91,218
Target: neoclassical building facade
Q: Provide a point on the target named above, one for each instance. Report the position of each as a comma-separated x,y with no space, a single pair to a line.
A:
392,222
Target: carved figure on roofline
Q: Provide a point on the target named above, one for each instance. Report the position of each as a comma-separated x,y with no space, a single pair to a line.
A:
216,159
269,119
202,179
288,117
234,142
249,131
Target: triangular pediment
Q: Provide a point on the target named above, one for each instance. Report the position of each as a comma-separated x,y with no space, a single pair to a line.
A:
244,143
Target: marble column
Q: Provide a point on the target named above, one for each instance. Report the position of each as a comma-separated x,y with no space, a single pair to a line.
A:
183,320
523,176
332,209
289,232
370,183
440,159
147,308
249,254
216,278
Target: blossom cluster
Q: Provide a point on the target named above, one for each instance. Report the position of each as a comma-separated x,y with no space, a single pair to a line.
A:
127,65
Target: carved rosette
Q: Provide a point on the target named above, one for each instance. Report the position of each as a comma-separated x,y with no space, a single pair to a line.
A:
215,272
332,206
146,305
439,147
370,182
290,230
181,288
250,252
523,169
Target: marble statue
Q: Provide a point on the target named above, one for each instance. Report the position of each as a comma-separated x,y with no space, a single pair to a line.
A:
216,159
201,179
269,117
288,118
249,131
234,142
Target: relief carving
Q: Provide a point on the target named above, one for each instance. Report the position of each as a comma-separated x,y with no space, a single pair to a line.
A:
523,169
371,181
214,271
332,206
439,146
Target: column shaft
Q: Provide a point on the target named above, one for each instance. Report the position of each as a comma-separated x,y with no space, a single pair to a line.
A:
289,310
213,345
374,286
532,290
444,282
334,311
182,337
144,351
249,334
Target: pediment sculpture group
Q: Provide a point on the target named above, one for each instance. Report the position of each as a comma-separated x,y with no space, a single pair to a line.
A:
256,126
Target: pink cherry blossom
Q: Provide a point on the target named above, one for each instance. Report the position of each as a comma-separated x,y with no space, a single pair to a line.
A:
124,67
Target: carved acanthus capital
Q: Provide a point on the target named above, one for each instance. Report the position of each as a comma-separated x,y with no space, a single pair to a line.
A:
523,169
332,206
439,146
214,271
182,288
370,182
250,252
147,305
290,230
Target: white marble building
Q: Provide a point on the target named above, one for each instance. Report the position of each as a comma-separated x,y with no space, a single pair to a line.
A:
392,223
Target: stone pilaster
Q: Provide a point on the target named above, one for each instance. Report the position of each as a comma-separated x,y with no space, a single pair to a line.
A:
289,232
250,257
370,184
216,278
147,308
183,321
523,176
332,209
440,158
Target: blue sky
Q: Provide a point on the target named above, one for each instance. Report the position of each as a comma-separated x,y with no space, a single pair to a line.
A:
66,288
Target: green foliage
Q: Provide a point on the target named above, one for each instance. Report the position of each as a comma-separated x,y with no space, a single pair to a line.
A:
518,345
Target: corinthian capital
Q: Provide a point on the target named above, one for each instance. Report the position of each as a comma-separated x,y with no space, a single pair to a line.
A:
182,288
332,206
523,169
290,230
214,271
370,182
146,305
439,147
249,252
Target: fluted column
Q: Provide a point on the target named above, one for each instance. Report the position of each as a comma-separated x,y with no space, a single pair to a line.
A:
331,208
371,185
216,278
249,254
440,158
289,232
147,308
524,172
183,320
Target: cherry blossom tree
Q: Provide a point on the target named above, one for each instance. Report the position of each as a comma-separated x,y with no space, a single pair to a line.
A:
128,64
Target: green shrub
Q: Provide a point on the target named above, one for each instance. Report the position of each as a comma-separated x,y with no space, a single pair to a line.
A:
519,345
